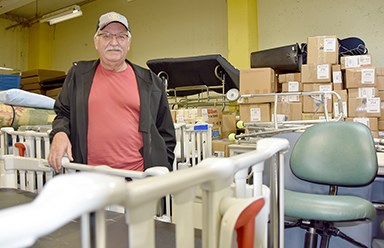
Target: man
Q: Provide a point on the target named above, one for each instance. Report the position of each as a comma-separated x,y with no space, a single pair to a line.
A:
111,111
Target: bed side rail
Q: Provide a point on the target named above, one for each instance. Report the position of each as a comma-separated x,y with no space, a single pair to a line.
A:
65,198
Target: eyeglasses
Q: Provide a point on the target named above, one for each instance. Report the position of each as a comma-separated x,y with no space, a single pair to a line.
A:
120,37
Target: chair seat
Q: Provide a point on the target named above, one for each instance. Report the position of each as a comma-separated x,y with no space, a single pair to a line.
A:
327,207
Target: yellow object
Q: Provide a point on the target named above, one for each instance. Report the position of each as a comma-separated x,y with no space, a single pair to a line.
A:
232,137
240,124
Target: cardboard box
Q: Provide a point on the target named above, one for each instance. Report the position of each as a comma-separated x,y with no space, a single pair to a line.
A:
314,103
381,96
381,127
228,125
38,91
371,123
363,92
42,74
313,116
355,61
289,77
255,112
364,107
379,71
53,92
291,86
288,111
257,81
291,98
379,82
316,73
337,77
322,50
360,77
344,102
220,148
198,115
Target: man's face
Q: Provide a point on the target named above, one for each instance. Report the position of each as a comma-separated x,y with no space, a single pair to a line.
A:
112,43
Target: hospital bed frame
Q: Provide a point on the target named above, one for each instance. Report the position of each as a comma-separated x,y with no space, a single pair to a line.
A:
23,150
267,129
215,177
239,167
196,81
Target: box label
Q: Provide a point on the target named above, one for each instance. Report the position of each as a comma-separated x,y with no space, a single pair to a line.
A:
367,92
255,114
337,111
293,86
373,105
352,62
336,77
368,76
326,87
218,154
329,45
323,71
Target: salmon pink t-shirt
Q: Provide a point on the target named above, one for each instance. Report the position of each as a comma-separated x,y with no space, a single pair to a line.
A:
113,136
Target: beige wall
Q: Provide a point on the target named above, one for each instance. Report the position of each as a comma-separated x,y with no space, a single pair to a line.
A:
167,28
13,46
282,22
171,28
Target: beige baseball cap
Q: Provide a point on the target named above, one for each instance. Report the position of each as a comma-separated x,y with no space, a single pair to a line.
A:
110,17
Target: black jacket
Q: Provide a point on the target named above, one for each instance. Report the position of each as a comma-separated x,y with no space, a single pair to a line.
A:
156,124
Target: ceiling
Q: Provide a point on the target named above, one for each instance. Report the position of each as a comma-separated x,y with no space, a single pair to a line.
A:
30,9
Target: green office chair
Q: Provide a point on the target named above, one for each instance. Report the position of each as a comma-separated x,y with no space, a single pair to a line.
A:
334,154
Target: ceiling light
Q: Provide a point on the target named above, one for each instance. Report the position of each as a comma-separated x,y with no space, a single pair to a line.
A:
62,15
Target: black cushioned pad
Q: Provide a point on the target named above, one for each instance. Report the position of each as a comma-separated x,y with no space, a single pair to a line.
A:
198,70
70,236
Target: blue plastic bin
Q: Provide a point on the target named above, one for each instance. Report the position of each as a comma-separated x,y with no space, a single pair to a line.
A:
9,81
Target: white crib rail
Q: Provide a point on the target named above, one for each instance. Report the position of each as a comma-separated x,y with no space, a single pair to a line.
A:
34,144
193,144
214,175
64,198
140,197
214,181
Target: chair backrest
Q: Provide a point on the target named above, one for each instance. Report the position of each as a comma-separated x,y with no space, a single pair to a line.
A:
335,153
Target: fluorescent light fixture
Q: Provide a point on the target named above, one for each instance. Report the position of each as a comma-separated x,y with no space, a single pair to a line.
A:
62,15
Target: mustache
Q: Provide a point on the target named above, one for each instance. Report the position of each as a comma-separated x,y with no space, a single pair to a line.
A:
113,48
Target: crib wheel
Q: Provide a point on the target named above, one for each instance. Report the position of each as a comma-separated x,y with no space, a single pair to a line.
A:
232,137
240,124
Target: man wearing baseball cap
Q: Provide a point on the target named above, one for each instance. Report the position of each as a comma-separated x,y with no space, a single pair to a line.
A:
111,111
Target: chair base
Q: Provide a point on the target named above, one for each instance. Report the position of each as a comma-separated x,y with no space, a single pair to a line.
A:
325,229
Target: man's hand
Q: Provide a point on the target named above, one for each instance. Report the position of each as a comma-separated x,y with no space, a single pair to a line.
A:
59,147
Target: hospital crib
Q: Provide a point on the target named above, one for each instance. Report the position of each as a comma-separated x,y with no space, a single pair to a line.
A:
215,177
193,144
23,164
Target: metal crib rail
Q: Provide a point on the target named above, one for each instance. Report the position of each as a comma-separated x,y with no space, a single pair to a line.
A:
257,129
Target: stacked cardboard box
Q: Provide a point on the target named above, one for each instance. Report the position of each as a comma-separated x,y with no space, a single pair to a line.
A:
355,79
316,75
289,107
40,81
257,81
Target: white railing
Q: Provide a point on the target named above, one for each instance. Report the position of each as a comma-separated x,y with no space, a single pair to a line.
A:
215,177
193,144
